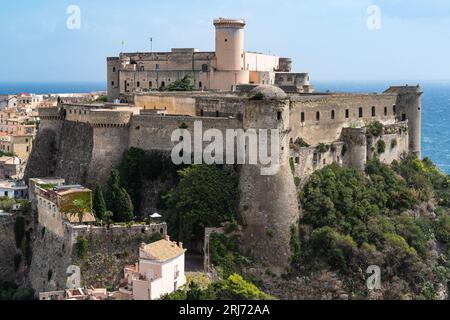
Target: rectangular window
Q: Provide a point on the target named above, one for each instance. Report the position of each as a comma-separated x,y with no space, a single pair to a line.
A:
279,115
138,84
385,111
347,113
302,117
333,114
112,83
374,112
361,114
318,116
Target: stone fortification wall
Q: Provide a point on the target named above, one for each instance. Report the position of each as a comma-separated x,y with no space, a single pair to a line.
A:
320,118
149,132
105,255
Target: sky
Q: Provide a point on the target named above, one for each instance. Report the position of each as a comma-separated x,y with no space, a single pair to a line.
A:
330,39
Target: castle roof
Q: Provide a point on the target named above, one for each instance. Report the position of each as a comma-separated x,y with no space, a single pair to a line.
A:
269,92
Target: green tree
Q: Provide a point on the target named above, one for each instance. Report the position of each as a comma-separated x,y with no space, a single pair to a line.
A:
79,209
118,201
99,204
206,196
184,84
236,288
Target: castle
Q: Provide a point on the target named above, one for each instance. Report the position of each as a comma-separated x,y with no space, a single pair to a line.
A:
235,90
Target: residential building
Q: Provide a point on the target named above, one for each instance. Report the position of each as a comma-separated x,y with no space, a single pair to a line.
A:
12,168
13,189
160,271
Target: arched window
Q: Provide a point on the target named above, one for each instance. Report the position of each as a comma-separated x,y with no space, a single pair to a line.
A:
163,84
142,68
114,69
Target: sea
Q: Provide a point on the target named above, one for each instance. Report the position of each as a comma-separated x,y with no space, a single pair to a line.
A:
435,106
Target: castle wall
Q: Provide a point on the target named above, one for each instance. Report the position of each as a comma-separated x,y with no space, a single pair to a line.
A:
307,160
396,140
149,132
44,155
109,144
327,129
108,252
172,104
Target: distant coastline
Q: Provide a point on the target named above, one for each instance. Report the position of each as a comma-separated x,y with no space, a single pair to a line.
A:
51,87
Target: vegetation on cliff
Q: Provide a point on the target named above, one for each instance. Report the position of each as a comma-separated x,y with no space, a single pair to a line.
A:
138,166
234,287
394,217
206,196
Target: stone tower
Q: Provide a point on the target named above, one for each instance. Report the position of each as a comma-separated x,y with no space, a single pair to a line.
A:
229,44
269,203
409,108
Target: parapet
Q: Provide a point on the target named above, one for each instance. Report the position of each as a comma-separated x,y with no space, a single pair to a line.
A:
50,113
109,118
229,23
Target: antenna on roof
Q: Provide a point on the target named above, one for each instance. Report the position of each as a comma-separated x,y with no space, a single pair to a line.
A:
151,45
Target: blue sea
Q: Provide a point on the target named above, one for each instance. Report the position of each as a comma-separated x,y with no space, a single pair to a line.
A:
435,114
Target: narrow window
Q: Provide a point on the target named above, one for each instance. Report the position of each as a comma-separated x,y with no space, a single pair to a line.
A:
318,116
385,111
395,109
303,117
333,114
142,68
347,113
361,114
114,69
200,85
217,114
404,117
279,115
374,112
201,113
112,83
163,84
157,67
138,84
150,84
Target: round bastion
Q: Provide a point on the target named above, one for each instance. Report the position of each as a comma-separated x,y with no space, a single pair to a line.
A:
267,92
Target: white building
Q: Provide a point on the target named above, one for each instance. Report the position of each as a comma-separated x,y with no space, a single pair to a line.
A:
160,271
13,189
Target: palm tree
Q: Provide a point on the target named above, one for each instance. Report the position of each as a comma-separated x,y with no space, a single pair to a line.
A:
79,209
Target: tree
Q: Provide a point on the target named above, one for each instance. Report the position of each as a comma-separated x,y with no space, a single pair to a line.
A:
99,204
236,288
79,209
184,84
206,196
108,218
118,201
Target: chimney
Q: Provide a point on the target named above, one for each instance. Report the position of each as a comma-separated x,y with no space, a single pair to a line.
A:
180,244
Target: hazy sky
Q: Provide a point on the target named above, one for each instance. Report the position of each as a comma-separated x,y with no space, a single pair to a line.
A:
327,38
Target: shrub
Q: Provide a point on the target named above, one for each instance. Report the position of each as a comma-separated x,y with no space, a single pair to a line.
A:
375,129
81,247
322,148
394,144
295,246
381,146
301,143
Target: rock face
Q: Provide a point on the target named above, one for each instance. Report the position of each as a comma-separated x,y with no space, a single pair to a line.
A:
7,248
